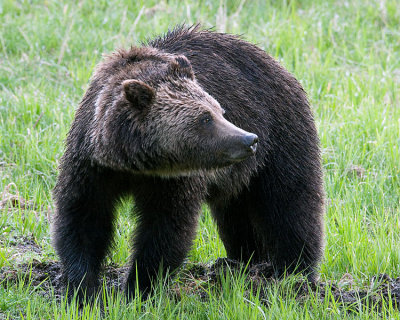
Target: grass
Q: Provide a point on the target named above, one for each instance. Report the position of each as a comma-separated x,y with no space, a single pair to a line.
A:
345,53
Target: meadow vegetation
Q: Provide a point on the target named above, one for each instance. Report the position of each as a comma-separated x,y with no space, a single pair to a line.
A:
346,54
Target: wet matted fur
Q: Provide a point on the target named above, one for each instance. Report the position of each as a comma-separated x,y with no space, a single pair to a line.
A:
159,122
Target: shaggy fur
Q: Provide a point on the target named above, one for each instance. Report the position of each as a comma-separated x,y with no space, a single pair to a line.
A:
161,123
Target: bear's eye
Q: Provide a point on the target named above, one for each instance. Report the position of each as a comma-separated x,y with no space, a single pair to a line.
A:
206,119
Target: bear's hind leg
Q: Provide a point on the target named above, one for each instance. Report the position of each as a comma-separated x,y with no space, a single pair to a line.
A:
274,222
289,220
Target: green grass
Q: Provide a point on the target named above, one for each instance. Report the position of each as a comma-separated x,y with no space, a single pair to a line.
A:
345,53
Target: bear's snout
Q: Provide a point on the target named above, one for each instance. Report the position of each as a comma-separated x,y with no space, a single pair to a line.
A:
251,141
240,147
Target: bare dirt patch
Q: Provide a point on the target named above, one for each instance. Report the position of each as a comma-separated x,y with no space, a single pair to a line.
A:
382,287
45,276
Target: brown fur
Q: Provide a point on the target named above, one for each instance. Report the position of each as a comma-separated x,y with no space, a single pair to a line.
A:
170,123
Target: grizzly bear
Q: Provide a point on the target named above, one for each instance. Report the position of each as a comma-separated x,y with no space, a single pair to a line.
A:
192,117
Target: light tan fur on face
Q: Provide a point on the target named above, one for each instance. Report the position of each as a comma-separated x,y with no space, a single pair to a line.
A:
180,104
166,129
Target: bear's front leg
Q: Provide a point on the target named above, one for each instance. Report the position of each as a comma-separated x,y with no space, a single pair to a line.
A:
167,212
83,224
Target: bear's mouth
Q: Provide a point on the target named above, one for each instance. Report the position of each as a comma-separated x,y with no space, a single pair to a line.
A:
254,147
238,155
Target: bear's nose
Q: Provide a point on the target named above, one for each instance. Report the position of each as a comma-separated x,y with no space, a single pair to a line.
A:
251,140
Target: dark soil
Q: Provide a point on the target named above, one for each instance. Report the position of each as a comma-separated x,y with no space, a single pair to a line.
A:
194,278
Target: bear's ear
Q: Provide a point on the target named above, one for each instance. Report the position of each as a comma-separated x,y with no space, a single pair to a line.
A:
139,93
180,65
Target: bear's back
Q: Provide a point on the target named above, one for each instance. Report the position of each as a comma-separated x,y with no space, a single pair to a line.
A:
258,94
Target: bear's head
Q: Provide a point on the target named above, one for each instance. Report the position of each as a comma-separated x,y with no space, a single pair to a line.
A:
152,116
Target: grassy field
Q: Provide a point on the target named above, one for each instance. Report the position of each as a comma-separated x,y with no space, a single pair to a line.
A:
345,53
